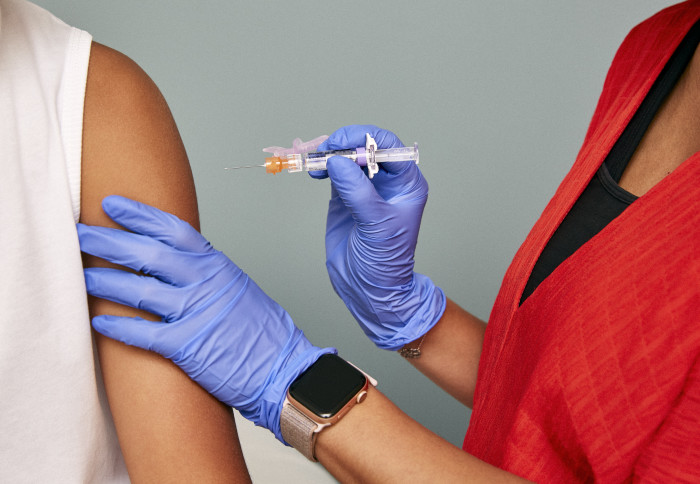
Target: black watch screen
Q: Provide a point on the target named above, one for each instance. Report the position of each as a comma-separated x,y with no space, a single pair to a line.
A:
327,385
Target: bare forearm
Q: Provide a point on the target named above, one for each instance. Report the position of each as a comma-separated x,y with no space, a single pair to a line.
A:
450,352
377,442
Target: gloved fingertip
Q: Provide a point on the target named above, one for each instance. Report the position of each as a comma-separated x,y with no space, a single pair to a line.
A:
89,278
85,229
401,167
352,136
88,236
116,205
104,324
351,183
346,137
130,331
81,228
93,278
385,138
112,201
341,169
339,162
318,174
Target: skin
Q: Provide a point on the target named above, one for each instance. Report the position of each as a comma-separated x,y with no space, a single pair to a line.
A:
395,448
672,137
169,428
450,353
390,446
377,442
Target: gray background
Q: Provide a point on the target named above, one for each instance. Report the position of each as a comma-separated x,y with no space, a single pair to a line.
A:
497,94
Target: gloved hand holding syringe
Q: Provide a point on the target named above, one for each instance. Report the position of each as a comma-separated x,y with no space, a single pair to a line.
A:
294,160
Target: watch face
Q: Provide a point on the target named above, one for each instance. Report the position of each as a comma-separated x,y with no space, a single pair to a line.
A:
327,385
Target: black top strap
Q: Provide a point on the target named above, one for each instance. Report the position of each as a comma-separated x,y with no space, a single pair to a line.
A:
621,153
603,199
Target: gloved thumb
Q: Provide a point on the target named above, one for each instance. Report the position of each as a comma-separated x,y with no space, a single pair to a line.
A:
353,187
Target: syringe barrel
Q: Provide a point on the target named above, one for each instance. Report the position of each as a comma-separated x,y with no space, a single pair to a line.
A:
406,153
316,160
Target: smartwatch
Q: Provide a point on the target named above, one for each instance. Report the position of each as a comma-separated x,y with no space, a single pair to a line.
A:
318,398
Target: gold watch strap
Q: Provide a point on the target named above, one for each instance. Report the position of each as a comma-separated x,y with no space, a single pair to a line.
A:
299,430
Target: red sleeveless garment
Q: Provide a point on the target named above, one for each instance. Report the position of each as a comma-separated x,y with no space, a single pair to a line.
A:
596,377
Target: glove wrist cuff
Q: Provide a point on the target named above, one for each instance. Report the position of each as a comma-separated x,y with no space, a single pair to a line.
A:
428,312
267,410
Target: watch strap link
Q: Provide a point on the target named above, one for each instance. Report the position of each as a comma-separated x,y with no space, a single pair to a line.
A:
299,430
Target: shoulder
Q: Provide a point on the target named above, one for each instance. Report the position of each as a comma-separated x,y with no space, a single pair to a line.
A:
665,27
639,59
131,145
120,98
113,75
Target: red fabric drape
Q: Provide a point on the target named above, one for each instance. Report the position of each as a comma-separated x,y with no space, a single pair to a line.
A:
596,376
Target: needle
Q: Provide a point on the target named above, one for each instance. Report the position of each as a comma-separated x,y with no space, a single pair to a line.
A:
244,166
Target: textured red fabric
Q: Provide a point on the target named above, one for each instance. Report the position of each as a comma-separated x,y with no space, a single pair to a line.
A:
596,377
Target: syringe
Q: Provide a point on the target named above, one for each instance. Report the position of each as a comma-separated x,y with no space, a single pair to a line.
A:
368,156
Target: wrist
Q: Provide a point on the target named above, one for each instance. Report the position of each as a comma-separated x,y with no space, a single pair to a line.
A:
318,398
264,409
426,305
412,350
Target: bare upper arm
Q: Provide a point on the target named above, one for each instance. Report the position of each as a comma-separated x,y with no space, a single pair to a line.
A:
169,428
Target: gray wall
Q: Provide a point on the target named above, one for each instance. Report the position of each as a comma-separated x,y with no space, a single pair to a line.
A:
497,94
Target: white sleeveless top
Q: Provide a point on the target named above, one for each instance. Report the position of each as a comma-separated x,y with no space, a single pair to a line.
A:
55,423
54,419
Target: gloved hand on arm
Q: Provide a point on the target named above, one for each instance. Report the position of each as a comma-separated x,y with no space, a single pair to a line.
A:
217,325
371,234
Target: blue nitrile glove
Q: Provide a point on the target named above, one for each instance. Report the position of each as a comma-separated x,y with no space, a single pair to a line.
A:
218,325
371,235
